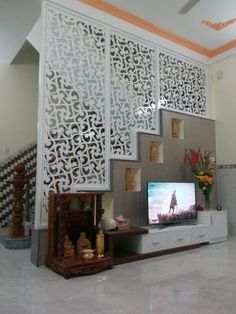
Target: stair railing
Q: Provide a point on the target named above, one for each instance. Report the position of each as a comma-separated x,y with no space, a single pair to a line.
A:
21,203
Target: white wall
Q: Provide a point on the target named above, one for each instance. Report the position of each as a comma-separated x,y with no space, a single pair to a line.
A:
18,102
223,83
223,76
17,17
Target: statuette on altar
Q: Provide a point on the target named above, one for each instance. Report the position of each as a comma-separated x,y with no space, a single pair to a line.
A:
82,243
69,249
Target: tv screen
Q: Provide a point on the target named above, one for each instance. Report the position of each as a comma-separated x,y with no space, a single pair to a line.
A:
170,202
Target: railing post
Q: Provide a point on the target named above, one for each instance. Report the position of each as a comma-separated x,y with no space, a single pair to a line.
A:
16,229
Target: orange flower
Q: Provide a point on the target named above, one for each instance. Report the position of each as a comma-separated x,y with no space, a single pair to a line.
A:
202,167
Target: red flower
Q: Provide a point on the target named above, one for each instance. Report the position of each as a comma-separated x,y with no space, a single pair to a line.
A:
193,161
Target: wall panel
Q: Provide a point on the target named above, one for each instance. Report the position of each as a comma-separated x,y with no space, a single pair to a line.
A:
92,73
198,132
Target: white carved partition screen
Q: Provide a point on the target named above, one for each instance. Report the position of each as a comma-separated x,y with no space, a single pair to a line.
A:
99,88
182,85
133,94
74,111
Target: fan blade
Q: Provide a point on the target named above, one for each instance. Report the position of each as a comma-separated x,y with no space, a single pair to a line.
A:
188,6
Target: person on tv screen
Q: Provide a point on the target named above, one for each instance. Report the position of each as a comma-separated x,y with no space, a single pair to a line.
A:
173,202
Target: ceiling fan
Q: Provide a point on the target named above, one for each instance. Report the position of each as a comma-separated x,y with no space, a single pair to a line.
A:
188,6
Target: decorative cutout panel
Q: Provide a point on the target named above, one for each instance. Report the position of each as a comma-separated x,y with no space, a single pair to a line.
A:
133,94
74,105
182,85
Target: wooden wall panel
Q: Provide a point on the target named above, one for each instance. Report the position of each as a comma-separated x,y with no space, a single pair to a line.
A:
198,132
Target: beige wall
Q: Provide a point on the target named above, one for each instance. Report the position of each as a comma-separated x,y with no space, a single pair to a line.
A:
223,83
18,102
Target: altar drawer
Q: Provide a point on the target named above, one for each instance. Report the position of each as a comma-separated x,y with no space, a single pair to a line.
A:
179,238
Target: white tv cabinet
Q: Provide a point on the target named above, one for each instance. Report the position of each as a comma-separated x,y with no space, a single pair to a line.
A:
149,241
217,222
168,238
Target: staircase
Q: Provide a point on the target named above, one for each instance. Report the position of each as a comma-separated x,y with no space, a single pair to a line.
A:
27,156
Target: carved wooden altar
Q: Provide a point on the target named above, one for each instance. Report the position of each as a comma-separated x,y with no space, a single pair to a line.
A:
69,215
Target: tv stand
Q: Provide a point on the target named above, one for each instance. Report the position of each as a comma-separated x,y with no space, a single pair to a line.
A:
169,225
119,254
167,240
188,223
217,221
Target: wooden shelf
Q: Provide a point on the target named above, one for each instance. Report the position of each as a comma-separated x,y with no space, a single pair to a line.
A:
177,128
122,256
156,152
126,232
132,179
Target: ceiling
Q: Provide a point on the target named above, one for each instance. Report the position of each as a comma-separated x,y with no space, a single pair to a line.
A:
17,17
164,14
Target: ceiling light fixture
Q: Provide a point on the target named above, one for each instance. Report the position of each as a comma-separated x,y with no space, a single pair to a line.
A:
188,6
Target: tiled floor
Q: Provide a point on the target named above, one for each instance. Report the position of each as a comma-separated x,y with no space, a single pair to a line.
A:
197,281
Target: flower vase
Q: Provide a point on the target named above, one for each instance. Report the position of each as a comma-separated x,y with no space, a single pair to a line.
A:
207,201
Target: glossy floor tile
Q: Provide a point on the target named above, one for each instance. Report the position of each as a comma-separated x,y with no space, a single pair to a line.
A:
197,281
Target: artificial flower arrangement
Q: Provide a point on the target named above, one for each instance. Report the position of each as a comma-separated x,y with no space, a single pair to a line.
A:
202,166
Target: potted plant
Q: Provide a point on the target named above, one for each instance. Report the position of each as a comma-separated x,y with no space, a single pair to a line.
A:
202,166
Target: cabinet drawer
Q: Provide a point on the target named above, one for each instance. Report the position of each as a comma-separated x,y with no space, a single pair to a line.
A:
201,235
153,242
177,239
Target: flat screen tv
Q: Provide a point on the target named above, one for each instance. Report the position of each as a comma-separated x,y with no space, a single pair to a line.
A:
171,202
